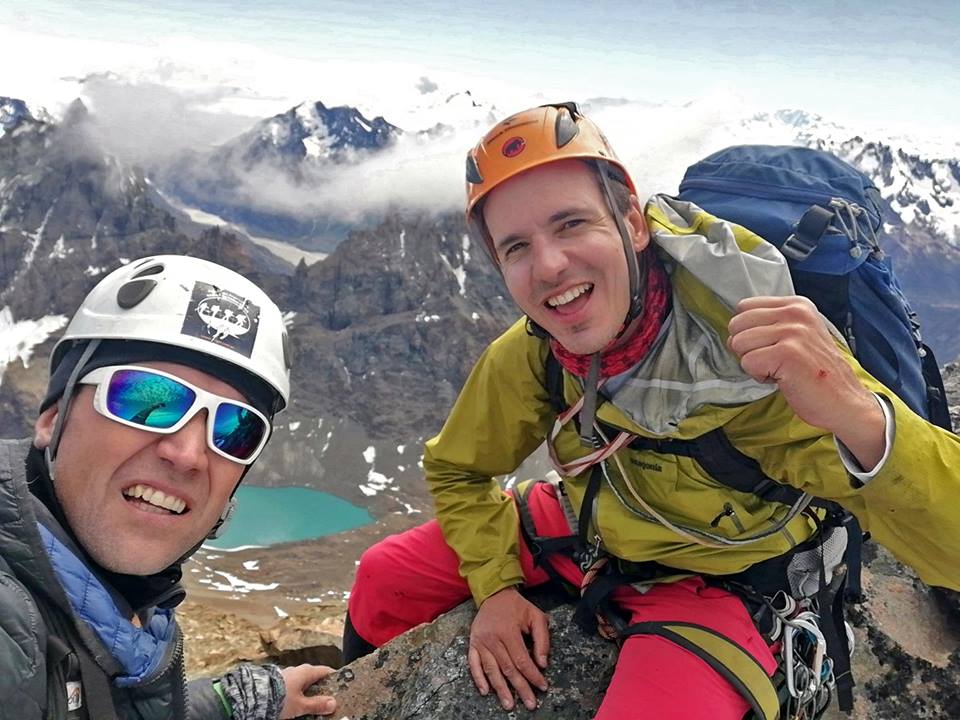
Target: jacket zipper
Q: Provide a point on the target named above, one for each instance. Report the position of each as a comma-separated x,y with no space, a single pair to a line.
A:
593,552
175,660
729,512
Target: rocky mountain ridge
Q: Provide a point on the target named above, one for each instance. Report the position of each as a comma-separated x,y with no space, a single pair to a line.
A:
385,329
921,194
378,326
384,332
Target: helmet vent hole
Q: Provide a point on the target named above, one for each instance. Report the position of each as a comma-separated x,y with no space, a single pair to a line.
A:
132,293
152,270
287,351
473,171
566,127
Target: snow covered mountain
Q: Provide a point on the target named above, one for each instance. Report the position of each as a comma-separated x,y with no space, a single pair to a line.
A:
257,179
312,132
438,114
12,113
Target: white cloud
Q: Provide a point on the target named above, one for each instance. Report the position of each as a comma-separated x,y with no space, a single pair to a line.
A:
159,96
426,86
145,122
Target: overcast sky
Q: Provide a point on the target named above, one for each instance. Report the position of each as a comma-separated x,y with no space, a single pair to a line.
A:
170,75
886,64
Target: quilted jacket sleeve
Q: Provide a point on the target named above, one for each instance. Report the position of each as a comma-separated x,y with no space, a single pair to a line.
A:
22,650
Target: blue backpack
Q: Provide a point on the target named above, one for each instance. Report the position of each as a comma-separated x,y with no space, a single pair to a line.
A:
824,215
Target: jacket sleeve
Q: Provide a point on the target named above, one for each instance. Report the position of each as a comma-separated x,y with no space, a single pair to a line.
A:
23,671
204,703
909,506
501,416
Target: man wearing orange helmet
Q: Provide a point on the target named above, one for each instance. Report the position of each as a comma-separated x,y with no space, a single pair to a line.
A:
665,360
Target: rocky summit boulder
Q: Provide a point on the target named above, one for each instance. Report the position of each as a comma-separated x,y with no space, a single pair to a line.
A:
423,675
906,663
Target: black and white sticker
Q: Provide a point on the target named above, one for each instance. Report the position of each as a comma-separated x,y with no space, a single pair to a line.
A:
222,317
74,695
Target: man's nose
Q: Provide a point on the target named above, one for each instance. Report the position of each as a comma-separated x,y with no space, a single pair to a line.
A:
549,260
186,449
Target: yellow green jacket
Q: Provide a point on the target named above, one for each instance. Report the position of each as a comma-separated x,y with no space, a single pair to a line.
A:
687,385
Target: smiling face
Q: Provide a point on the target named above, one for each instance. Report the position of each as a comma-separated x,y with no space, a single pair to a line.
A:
561,254
137,500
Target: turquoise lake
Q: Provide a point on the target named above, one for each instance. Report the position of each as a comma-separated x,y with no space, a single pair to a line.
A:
267,516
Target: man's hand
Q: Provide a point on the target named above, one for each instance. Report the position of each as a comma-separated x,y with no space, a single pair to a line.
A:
784,340
299,678
498,653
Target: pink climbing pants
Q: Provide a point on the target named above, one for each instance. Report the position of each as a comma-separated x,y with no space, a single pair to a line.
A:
413,577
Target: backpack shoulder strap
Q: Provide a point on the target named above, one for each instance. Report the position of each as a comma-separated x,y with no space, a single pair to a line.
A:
714,452
68,660
938,409
554,382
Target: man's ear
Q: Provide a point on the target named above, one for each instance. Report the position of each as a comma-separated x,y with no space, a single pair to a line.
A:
43,427
637,222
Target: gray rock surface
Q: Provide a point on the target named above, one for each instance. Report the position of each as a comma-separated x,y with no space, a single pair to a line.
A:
423,675
907,657
951,383
906,663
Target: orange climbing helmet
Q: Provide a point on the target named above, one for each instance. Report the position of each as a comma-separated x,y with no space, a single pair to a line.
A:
536,137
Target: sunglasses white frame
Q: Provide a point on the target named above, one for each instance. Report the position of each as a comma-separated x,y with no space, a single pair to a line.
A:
203,400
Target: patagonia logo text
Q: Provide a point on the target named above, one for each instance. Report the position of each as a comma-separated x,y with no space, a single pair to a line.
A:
655,467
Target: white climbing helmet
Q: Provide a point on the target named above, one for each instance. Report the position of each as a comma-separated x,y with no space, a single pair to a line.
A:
188,303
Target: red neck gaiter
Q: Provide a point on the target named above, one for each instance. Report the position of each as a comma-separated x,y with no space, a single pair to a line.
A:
656,305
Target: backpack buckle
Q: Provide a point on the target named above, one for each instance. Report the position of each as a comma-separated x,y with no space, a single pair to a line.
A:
796,249
805,238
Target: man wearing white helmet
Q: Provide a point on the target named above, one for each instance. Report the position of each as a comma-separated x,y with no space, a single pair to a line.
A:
161,396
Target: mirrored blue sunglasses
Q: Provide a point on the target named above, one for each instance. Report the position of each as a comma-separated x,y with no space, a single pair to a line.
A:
156,401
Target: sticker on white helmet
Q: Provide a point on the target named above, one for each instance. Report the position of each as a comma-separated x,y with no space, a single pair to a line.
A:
222,317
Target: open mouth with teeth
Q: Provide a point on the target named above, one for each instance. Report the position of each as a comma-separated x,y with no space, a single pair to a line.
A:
570,300
152,500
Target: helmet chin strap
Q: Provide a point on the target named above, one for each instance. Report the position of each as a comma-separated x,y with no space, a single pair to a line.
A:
637,279
220,527
637,284
588,411
63,406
